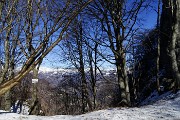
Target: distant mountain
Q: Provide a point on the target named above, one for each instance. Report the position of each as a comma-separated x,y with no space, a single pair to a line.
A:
56,75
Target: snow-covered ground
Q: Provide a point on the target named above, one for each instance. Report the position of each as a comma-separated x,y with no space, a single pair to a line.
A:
167,108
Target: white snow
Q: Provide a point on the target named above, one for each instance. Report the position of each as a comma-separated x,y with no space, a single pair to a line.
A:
46,69
167,108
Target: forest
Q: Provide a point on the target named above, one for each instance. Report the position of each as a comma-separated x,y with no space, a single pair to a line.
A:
110,57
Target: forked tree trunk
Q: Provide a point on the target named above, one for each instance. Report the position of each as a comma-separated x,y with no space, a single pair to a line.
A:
116,45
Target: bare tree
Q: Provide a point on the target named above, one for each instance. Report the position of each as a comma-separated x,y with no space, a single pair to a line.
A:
118,23
60,22
8,38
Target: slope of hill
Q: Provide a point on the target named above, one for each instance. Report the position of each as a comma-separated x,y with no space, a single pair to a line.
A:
166,108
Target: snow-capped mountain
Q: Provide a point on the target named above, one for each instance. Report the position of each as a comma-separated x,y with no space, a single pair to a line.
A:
56,75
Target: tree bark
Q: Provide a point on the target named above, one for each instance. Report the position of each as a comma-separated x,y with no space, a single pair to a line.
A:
173,19
165,33
1,6
175,39
85,95
35,105
93,78
123,81
158,47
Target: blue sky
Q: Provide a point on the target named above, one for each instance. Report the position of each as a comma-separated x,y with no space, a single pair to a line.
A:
52,60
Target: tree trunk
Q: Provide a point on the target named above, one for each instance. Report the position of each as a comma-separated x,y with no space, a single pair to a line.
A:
93,78
118,50
1,6
123,82
85,95
7,101
173,19
165,28
35,106
175,39
158,48
7,95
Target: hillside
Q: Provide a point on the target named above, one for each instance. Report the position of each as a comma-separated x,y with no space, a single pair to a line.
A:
166,108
